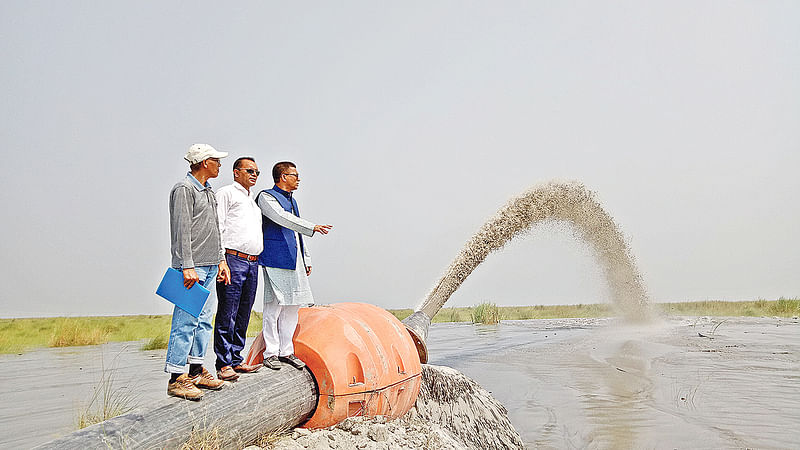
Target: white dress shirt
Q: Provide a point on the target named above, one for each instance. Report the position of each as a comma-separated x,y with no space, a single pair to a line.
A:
239,220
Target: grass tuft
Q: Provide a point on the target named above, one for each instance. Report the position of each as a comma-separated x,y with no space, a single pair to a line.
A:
759,308
785,307
203,439
107,401
70,332
156,343
268,440
485,313
453,315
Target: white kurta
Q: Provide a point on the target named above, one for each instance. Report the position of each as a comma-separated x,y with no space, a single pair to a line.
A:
287,287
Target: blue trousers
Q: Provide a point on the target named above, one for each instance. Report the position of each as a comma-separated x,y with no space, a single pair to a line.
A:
189,336
233,312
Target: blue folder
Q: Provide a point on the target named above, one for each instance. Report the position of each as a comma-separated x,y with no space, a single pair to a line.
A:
190,300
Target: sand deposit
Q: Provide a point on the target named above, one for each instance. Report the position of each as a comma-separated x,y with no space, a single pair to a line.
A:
451,412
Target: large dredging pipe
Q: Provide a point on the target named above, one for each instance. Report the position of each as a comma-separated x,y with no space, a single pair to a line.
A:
570,202
360,362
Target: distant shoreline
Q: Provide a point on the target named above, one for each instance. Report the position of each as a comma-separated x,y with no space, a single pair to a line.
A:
20,335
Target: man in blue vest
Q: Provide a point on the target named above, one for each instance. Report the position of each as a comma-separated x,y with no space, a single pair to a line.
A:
286,265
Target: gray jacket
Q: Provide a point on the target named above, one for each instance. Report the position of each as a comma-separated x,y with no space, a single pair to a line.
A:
193,225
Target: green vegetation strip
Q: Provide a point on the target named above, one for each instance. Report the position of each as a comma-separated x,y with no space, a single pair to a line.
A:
18,335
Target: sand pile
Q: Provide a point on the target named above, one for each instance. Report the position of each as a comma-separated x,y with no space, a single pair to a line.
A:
451,412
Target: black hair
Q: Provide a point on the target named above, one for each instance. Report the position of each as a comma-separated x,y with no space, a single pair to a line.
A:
277,169
238,162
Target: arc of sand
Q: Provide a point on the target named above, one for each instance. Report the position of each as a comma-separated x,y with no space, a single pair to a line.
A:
571,202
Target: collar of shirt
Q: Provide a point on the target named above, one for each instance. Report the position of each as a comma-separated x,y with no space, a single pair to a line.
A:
196,183
241,188
285,194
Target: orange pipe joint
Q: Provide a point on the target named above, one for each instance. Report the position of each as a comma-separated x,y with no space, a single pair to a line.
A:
362,358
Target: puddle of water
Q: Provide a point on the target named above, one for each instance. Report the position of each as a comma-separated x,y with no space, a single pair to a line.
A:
567,383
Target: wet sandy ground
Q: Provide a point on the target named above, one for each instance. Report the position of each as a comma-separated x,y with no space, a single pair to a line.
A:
567,383
655,386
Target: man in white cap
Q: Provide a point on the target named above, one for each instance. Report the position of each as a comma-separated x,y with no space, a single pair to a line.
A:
197,251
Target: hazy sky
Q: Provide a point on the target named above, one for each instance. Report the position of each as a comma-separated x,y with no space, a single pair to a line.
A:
410,123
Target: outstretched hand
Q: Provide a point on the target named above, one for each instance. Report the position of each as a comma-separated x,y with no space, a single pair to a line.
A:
324,229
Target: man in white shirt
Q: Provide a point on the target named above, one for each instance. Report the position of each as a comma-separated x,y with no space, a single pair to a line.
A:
287,265
240,228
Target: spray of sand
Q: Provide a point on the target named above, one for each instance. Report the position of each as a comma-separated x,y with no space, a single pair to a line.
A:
570,202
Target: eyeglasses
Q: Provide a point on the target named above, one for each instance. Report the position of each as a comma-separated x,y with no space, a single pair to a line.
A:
255,172
216,160
296,175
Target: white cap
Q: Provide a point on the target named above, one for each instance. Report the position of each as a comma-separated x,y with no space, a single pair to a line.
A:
201,152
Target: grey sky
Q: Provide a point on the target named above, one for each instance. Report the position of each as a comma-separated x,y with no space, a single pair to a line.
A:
410,123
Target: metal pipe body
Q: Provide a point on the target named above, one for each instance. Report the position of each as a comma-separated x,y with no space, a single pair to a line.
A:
417,325
265,402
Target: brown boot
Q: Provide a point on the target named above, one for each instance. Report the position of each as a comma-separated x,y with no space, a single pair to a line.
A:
183,387
226,373
247,368
207,381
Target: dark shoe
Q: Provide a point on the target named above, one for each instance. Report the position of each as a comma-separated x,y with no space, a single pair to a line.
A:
227,374
293,360
272,363
207,381
183,387
248,368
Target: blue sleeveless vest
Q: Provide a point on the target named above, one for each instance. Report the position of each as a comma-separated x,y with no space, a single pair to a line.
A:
280,246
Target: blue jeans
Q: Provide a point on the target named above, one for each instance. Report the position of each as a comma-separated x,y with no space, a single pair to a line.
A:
189,336
233,313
